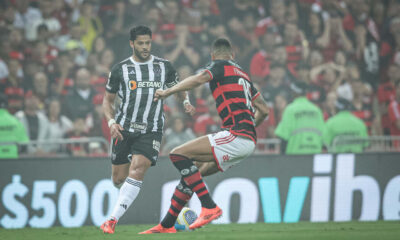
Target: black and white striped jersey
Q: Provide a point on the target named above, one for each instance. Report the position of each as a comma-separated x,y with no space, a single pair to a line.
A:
135,83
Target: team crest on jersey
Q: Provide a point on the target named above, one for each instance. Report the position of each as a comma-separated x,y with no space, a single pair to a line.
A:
157,71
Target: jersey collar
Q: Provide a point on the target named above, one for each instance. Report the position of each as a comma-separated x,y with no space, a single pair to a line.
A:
135,62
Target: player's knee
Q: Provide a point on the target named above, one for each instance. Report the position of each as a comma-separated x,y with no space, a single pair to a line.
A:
137,173
177,150
118,182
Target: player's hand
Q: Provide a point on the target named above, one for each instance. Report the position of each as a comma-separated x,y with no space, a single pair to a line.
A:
189,109
115,131
160,94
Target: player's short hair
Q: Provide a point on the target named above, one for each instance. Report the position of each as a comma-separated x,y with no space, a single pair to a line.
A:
221,46
139,30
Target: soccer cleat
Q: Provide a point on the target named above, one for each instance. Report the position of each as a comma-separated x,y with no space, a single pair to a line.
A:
109,226
159,229
206,216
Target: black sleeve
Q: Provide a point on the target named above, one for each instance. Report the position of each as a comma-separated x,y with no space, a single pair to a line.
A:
215,69
114,79
254,92
171,78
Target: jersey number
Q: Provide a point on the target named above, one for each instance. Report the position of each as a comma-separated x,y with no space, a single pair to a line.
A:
247,91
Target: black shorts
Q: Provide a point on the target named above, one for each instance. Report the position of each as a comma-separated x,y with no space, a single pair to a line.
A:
146,144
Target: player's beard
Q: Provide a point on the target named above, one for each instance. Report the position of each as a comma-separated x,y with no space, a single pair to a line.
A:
138,54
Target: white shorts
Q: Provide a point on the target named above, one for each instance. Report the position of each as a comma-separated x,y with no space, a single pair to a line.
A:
229,149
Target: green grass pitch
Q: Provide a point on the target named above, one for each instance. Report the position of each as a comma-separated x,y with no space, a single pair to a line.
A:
303,230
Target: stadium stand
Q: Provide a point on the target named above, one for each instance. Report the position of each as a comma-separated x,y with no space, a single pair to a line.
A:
339,48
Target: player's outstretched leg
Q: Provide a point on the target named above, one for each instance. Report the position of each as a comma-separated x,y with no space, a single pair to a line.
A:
127,194
193,179
179,199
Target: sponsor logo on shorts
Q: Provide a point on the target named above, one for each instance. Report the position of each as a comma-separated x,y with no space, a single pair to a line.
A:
156,145
138,126
225,158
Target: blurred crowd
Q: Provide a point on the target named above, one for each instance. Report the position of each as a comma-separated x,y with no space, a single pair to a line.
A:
55,57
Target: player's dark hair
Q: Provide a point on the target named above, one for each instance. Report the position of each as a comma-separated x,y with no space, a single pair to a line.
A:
221,46
139,30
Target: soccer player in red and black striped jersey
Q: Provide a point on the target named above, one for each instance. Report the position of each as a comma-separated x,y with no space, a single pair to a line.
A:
241,108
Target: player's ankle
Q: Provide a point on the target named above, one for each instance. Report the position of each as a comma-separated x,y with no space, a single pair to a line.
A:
166,225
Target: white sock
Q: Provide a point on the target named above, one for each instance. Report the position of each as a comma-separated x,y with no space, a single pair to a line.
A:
127,194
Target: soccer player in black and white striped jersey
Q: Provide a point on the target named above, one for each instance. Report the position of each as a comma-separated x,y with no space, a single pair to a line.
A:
136,127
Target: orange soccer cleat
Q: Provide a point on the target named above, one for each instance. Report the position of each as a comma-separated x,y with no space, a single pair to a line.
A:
206,216
159,229
109,226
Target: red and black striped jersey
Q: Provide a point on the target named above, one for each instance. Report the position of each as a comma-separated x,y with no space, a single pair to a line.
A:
233,92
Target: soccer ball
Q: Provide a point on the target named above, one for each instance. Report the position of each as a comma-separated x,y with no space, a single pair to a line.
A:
186,217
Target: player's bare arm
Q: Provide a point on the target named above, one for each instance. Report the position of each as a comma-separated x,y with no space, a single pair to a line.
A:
184,85
262,109
108,108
